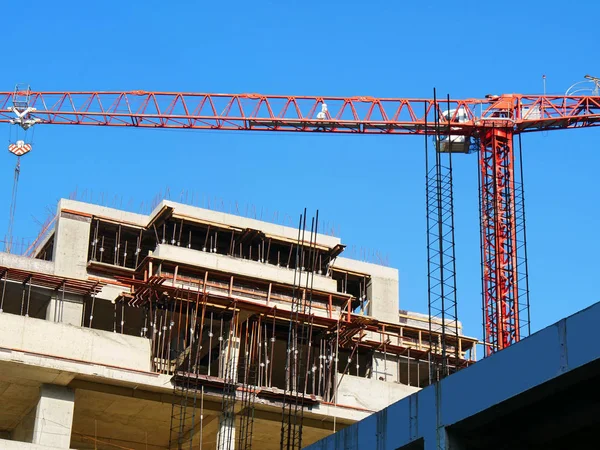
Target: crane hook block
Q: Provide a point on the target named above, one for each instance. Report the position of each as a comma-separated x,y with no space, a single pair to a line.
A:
19,148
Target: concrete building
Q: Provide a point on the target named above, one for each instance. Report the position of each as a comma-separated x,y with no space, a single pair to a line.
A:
133,331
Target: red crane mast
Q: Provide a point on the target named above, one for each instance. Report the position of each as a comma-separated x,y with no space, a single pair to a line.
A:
490,124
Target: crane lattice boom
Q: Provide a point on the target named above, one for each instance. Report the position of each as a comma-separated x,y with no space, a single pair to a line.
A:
366,115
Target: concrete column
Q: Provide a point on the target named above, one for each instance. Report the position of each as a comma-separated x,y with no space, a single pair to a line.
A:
231,350
69,311
230,358
226,432
54,416
71,243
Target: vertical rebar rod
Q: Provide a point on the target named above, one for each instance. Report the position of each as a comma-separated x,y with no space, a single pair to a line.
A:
28,295
62,302
13,206
22,299
122,317
452,243
4,276
524,222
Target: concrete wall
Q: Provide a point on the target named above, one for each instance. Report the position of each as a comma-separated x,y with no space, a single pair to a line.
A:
49,422
71,241
369,393
239,266
383,292
54,416
67,341
385,367
384,296
69,311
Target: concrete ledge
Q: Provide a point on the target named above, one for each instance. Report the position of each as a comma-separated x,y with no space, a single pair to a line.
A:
374,270
193,212
143,385
244,222
103,211
243,267
16,445
82,344
24,263
369,393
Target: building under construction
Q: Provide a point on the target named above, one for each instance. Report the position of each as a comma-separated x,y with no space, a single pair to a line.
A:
192,328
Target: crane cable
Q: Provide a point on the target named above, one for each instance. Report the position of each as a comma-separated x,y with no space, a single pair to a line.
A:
13,207
19,148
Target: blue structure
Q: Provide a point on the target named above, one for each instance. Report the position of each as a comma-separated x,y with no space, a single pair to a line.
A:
543,392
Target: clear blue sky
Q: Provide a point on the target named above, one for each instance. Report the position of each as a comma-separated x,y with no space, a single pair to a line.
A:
371,188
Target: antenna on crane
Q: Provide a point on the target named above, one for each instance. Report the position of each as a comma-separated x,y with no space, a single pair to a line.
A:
544,83
22,109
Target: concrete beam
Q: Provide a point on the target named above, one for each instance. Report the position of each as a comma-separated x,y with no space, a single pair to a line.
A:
103,211
241,267
27,334
25,263
212,403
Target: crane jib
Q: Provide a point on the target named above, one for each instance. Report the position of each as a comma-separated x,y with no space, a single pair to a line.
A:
364,115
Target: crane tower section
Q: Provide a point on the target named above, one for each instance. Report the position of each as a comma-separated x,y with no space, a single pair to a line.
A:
503,251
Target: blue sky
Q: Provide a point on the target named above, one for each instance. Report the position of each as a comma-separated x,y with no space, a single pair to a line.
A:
370,187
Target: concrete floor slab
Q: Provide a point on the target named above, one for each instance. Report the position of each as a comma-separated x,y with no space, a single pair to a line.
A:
131,408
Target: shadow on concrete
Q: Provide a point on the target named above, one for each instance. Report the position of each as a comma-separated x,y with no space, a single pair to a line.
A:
561,414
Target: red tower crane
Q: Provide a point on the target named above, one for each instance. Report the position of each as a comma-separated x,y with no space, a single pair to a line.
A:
490,124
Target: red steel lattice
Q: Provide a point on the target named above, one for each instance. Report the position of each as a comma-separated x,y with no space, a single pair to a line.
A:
365,115
499,239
